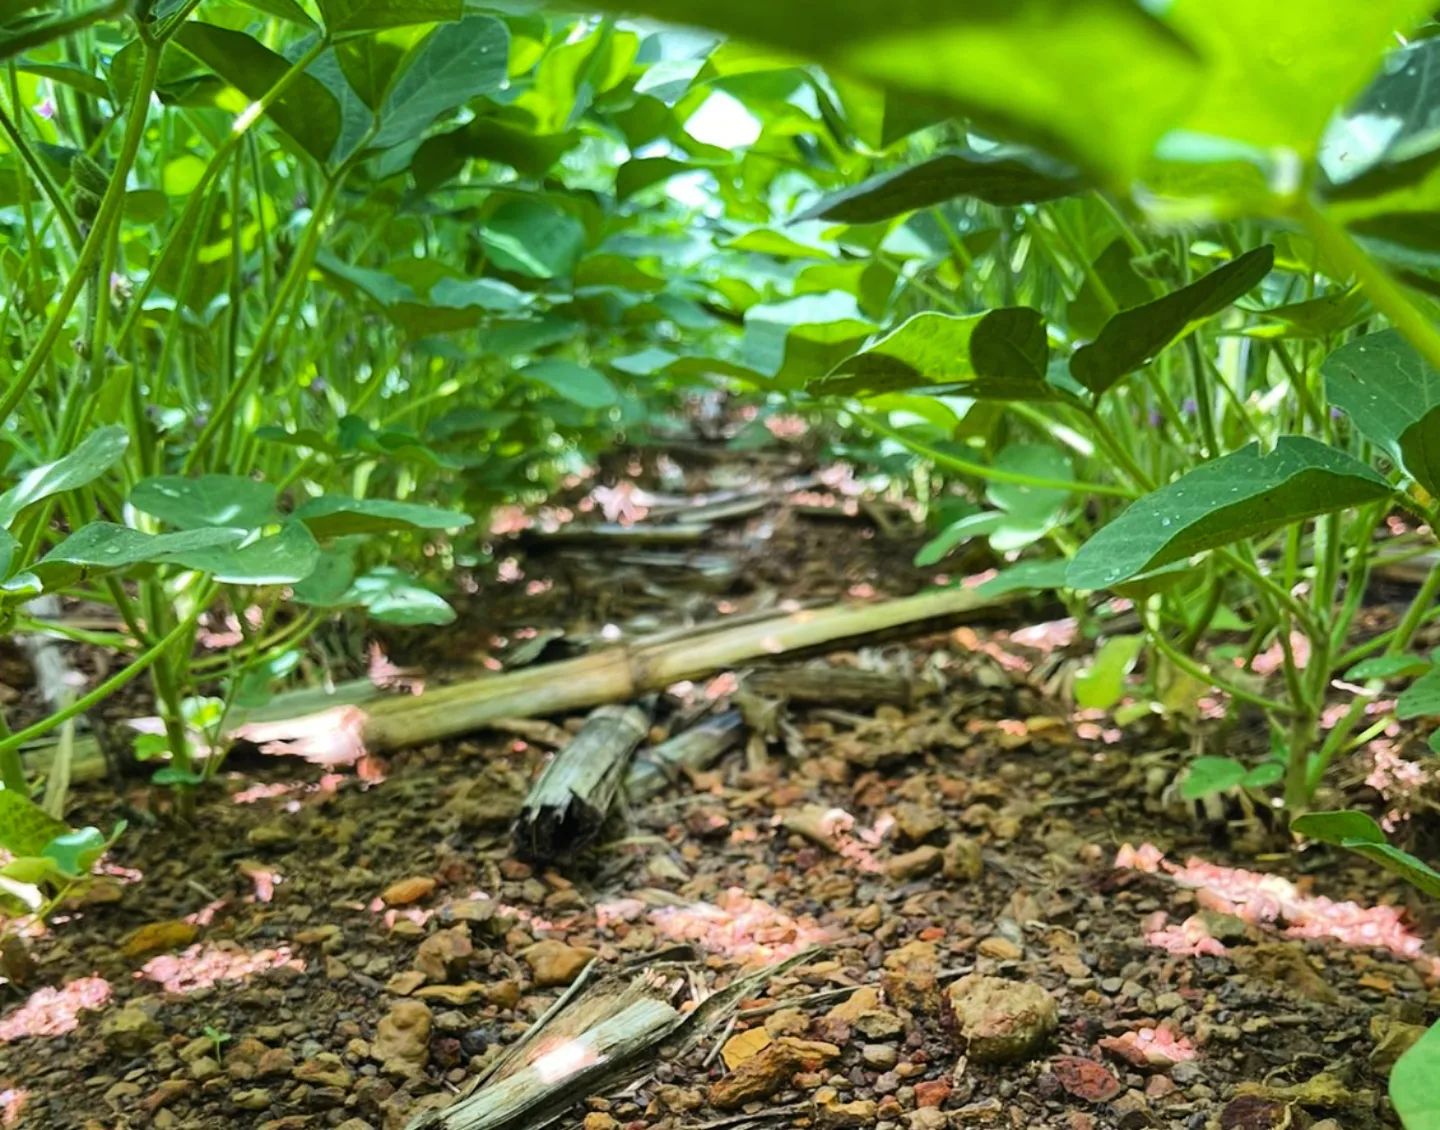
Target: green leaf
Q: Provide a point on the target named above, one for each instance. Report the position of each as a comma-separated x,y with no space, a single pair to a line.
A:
1383,384
74,853
96,454
1412,1083
1026,575
1421,699
342,16
231,501
1276,72
1124,288
789,342
330,580
576,383
1133,337
105,547
306,111
956,532
533,238
1357,832
458,62
334,515
999,355
1387,667
26,828
277,559
1029,512
1207,775
389,595
1003,177
1100,684
1236,496
1097,82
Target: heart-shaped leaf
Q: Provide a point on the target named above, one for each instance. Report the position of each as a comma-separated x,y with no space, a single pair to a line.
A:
25,827
231,501
1236,496
277,559
389,595
103,547
1412,1083
999,355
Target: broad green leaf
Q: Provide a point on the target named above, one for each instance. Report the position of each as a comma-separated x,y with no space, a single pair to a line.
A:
1383,384
74,853
641,172
1029,512
1236,496
105,547
1359,833
1000,354
429,299
1133,337
331,578
333,515
533,238
70,74
389,595
371,63
1027,575
1208,775
344,16
306,111
1421,699
1321,317
788,342
232,501
1100,684
1388,667
276,559
1000,177
576,383
1097,81
458,62
1412,1083
26,828
96,454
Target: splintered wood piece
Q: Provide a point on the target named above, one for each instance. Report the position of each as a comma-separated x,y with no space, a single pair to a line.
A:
565,1060
654,768
623,673
567,807
832,686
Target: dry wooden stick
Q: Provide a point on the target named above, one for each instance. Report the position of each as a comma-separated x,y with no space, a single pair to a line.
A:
835,686
624,673
654,768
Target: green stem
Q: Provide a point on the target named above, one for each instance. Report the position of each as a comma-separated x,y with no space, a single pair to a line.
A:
138,666
979,470
1389,298
112,205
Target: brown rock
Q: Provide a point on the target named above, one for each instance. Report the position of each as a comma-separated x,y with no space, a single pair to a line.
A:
1286,964
932,1092
1002,1021
1001,949
769,1070
918,822
741,1046
406,891
158,937
130,1031
402,1038
170,1091
787,1022
927,1118
835,1115
1085,1078
598,1120
444,953
961,860
914,864
325,1070
1251,1112
553,962
274,1062
911,978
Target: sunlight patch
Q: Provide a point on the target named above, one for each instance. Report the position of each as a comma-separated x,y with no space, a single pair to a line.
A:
202,966
55,1012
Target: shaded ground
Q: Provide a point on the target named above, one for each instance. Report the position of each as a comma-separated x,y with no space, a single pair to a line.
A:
321,950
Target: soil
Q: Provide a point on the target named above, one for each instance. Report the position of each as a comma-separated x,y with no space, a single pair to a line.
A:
348,947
